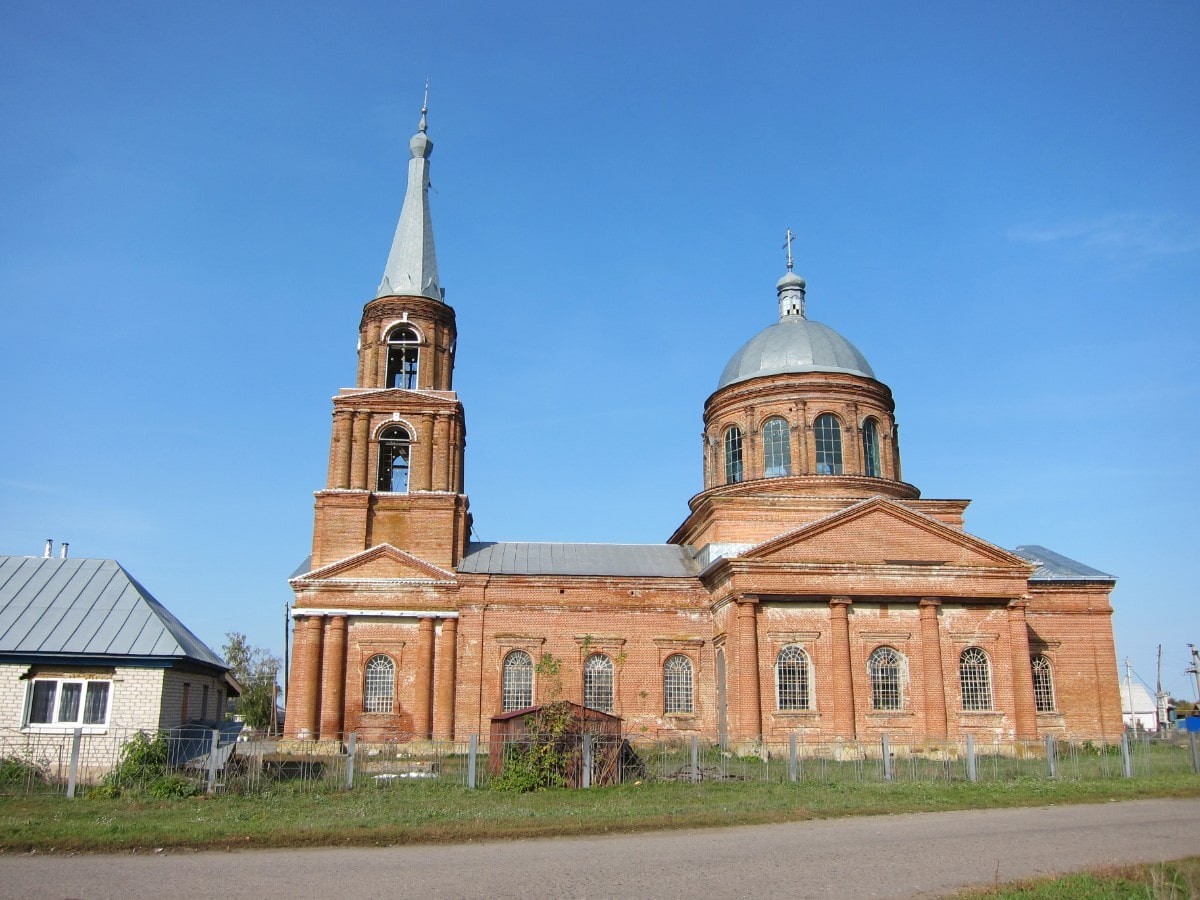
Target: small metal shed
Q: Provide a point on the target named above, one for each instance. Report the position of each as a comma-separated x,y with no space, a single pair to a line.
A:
518,730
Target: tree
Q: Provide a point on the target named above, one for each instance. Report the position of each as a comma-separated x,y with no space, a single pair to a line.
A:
256,670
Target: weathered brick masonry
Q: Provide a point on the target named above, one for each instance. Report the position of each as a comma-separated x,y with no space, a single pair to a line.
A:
809,589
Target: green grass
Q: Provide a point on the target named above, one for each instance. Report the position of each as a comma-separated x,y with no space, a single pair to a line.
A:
1178,880
432,812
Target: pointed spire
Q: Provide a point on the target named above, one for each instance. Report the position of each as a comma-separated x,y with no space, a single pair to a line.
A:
412,263
791,286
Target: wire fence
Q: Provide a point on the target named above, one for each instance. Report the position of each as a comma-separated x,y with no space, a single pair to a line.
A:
196,759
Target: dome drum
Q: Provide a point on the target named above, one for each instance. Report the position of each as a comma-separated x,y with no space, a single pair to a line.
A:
806,424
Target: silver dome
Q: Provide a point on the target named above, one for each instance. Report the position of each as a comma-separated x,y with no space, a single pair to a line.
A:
795,344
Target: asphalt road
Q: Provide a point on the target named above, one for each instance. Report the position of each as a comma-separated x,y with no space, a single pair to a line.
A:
911,855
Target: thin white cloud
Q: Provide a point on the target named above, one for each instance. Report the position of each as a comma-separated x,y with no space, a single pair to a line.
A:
1158,235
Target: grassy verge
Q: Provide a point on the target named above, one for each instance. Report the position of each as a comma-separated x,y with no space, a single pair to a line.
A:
1179,880
426,812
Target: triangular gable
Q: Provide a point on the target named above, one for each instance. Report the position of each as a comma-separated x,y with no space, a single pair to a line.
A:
383,562
879,531
387,396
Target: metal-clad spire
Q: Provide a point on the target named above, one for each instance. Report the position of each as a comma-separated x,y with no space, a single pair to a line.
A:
412,263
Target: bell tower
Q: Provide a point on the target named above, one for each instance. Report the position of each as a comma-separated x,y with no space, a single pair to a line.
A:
399,435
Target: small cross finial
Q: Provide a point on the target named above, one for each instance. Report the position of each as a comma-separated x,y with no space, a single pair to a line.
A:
787,244
422,125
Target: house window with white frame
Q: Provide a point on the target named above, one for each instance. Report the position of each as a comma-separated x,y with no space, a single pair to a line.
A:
68,702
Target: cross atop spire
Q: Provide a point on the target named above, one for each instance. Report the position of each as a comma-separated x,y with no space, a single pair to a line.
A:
791,286
411,268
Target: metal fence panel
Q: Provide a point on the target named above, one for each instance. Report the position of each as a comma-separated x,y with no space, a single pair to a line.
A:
183,761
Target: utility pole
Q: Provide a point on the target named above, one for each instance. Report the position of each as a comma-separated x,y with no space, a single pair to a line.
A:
1195,669
1132,723
1160,697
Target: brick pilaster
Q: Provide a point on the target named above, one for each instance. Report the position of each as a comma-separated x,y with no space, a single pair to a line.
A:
427,451
441,465
423,680
359,452
339,453
333,678
843,674
305,681
749,699
1024,705
931,658
445,660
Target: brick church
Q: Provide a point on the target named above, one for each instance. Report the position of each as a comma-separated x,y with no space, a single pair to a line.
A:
810,589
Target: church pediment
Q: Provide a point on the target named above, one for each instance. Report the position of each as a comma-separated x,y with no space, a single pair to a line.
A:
881,532
387,399
381,563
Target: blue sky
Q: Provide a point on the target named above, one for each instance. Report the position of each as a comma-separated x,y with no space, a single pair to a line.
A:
998,204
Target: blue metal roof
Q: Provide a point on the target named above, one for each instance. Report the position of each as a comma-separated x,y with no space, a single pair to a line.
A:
1053,566
88,607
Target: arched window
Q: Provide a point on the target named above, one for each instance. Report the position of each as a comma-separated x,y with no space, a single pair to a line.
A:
870,436
677,684
777,448
598,682
885,668
379,681
791,679
975,676
1043,684
403,352
733,455
394,447
517,681
828,433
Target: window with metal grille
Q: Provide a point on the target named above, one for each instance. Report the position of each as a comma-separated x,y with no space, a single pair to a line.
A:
974,675
402,358
733,455
598,682
791,679
885,668
677,684
395,445
828,432
870,436
1043,684
517,681
379,684
777,448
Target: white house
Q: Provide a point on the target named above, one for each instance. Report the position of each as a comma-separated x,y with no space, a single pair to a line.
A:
84,646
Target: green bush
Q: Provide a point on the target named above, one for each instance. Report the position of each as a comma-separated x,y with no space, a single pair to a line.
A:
143,770
16,770
542,758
